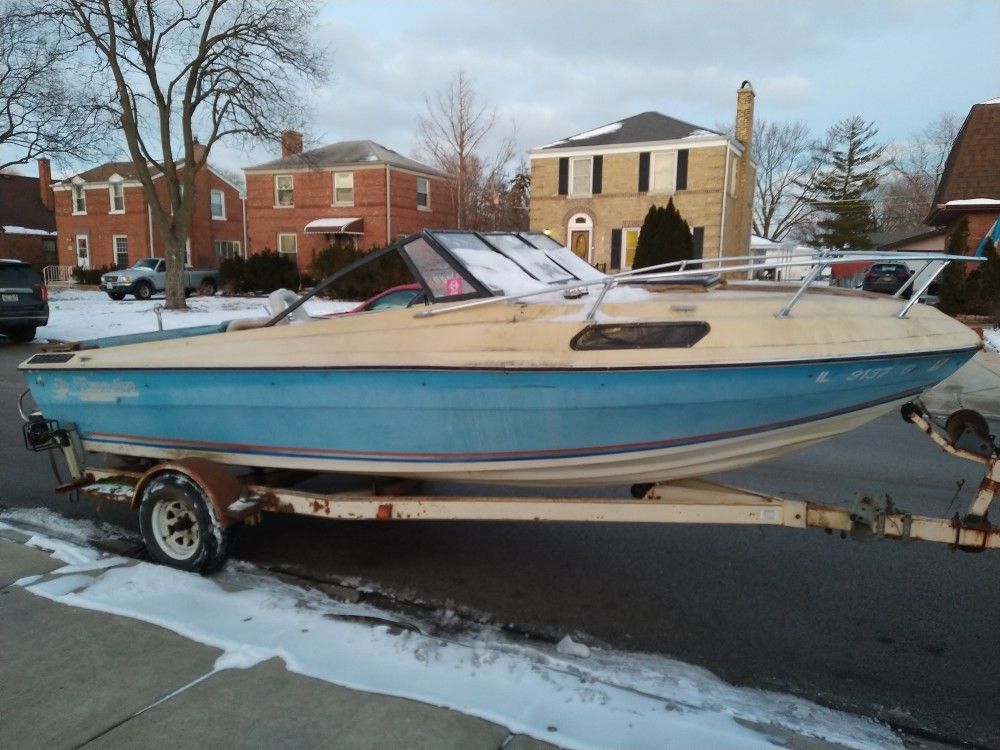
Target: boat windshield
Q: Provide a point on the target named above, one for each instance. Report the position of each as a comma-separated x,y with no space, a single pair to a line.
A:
529,257
494,270
563,256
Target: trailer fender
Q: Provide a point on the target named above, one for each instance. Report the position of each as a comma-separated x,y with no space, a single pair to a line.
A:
221,488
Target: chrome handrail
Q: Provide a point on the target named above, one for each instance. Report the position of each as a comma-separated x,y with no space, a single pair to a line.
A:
819,262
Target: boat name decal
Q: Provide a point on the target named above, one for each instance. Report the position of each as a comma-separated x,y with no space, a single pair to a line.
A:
88,391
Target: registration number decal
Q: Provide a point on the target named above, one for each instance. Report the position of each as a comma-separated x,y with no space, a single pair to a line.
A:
10,297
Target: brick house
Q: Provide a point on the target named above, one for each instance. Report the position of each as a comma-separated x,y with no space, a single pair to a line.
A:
970,183
27,219
353,192
591,191
104,219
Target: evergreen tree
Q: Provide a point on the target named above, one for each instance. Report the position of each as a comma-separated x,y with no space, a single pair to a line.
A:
664,237
851,164
951,294
982,287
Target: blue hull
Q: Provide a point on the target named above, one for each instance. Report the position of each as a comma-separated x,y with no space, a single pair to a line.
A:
441,422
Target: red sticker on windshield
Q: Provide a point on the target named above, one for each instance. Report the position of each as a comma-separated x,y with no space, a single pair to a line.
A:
453,286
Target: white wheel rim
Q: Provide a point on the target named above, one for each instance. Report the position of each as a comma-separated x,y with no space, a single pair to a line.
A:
176,528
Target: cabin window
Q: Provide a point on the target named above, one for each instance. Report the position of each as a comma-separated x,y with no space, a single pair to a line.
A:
343,188
640,336
284,194
120,242
423,194
218,204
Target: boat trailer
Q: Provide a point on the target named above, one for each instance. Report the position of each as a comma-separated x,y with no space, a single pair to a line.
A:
188,507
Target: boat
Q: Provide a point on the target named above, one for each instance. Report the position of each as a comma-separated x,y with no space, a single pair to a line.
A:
526,367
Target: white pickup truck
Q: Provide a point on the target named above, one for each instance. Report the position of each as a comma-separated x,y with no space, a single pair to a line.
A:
147,276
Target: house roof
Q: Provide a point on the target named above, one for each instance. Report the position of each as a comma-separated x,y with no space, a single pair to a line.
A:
344,153
973,166
891,239
101,173
21,204
642,128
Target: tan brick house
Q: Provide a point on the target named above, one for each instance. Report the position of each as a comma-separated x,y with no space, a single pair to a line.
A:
104,219
27,220
353,192
970,183
591,191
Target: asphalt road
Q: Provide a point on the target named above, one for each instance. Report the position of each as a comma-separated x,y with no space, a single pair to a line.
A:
903,632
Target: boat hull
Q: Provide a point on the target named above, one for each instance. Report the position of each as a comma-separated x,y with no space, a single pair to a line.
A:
527,426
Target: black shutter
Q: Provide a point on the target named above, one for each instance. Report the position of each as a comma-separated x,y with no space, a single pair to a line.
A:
682,169
598,169
644,172
563,176
616,248
698,239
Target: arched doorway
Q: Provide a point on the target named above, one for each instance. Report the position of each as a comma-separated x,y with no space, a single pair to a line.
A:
579,234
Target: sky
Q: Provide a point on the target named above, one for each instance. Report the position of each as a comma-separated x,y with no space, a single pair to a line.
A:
555,68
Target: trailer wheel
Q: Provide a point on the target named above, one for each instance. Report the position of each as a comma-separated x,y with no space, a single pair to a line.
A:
179,526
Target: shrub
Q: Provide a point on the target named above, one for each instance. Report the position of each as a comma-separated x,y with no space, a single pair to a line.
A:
91,276
951,293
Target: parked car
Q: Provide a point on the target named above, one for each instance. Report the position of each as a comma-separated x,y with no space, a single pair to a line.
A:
24,300
885,277
149,275
404,295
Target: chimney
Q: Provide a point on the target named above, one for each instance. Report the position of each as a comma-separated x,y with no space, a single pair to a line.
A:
198,151
744,115
45,184
291,143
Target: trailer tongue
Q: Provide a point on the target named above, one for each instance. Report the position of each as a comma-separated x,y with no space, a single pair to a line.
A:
188,507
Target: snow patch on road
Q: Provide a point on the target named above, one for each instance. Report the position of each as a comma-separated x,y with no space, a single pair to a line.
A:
570,695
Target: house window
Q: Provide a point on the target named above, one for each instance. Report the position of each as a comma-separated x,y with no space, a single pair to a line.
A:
283,192
663,172
423,193
287,246
79,200
218,204
228,248
630,238
117,192
120,245
343,188
580,175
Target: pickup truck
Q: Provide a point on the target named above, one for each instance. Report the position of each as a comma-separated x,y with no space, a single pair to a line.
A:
149,275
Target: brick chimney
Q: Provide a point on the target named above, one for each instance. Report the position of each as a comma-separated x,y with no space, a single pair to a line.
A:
45,184
198,151
744,115
291,143
739,240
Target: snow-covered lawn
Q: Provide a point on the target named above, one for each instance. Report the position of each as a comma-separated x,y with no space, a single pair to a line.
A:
78,314
566,694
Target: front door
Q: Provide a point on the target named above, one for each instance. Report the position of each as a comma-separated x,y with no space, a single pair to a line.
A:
579,243
83,251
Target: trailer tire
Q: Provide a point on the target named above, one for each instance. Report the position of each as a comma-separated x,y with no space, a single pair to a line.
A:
179,526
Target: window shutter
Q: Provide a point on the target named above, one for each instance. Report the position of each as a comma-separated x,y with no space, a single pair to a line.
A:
698,238
563,176
644,172
597,175
616,248
682,169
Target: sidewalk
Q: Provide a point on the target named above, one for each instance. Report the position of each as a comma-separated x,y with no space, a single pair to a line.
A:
975,386
72,678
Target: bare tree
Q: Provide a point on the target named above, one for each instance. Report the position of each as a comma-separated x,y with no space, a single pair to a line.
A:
914,173
783,153
453,135
187,71
41,112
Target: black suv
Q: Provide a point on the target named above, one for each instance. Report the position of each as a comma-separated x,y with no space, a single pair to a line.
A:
24,300
886,277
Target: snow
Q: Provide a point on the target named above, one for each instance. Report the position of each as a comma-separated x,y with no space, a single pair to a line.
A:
992,101
25,230
700,133
79,314
570,694
991,339
974,202
603,130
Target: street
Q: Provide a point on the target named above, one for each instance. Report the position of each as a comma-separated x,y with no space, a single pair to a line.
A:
901,632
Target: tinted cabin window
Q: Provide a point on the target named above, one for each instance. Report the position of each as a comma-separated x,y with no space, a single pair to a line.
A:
640,336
